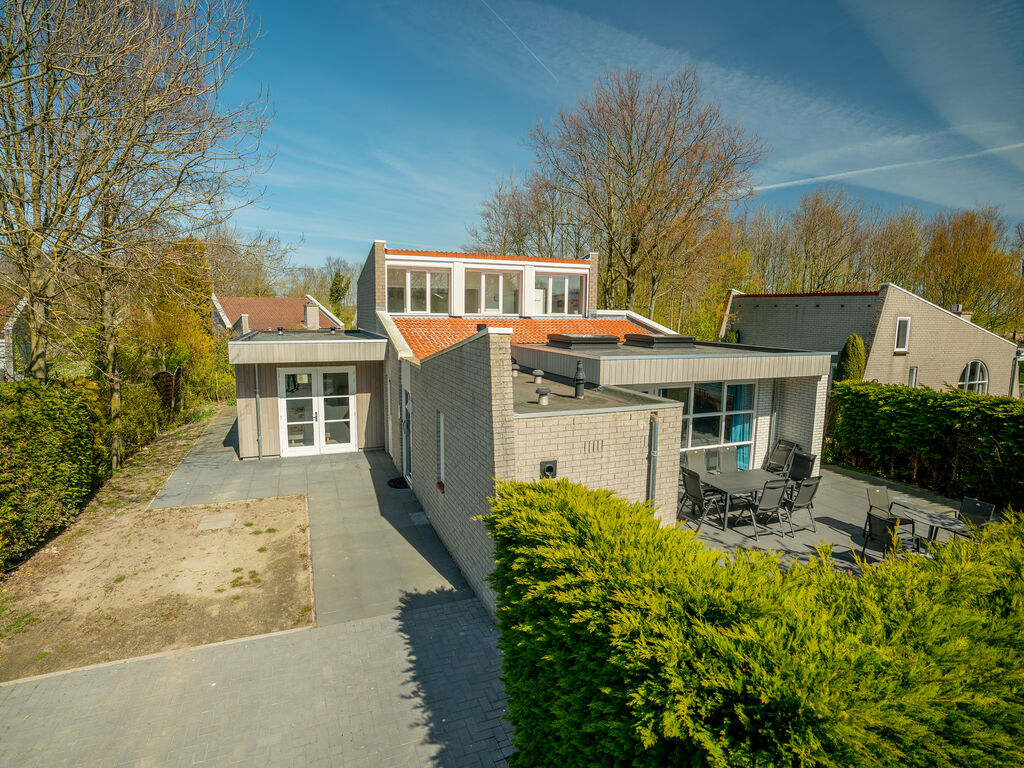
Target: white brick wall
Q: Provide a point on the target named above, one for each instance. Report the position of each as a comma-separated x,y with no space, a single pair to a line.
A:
802,413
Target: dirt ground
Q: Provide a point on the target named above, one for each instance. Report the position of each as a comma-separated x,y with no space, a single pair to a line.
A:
125,581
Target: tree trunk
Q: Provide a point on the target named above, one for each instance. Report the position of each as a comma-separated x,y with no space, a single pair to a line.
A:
40,298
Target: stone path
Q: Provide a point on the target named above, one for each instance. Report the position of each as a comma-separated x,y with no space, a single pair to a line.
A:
402,669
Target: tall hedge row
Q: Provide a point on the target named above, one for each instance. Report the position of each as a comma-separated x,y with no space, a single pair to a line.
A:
627,644
53,454
955,443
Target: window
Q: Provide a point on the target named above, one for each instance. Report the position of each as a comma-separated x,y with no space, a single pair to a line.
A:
902,334
492,293
558,294
440,447
912,376
417,290
717,413
974,377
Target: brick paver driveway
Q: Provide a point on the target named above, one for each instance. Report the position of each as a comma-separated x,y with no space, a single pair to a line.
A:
402,669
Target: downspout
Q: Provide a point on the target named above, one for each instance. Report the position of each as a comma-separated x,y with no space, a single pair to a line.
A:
652,459
259,420
775,415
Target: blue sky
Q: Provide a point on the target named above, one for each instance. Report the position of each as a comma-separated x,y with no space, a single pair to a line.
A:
394,117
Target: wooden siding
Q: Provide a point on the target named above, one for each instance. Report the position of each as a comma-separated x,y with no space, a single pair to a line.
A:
620,371
369,407
325,351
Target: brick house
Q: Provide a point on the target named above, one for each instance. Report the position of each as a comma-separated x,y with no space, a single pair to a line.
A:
909,340
447,372
13,335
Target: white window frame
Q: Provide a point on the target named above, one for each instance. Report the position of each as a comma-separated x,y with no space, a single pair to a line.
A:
408,290
687,436
974,377
320,444
912,376
896,343
502,309
539,275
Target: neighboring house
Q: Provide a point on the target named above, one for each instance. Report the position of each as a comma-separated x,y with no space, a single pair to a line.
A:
440,375
15,331
909,340
241,314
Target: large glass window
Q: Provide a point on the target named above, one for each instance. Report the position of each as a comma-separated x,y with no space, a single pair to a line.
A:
902,334
558,294
492,293
717,413
974,377
417,290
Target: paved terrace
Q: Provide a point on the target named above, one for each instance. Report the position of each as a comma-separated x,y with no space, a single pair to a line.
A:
840,510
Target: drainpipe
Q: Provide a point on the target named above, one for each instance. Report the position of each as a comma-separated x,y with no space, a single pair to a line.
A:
775,414
259,421
652,458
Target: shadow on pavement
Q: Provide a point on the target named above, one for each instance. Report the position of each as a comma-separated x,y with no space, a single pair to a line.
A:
454,671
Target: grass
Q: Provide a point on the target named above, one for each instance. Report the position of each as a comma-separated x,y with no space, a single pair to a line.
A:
11,621
262,549
119,579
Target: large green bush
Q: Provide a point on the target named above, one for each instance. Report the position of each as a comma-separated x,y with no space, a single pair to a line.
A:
956,443
51,459
852,360
627,644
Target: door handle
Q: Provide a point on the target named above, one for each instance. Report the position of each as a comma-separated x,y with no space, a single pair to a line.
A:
314,415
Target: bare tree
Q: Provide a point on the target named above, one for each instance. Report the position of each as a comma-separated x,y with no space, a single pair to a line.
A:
652,167
828,240
247,265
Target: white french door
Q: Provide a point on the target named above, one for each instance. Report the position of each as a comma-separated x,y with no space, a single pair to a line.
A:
317,410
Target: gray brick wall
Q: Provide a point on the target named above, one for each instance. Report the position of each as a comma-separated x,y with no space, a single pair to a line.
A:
801,412
940,345
803,322
370,289
471,384
605,450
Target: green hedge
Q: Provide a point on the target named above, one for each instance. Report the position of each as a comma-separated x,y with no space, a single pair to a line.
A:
955,443
53,454
626,644
50,461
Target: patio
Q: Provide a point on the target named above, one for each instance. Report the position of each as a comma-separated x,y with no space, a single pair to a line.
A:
840,509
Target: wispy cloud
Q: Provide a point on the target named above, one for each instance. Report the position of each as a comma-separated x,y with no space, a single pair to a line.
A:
888,167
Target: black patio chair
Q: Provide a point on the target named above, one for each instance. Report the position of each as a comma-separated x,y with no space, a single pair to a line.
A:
700,501
727,459
878,501
886,530
802,499
781,457
768,502
977,513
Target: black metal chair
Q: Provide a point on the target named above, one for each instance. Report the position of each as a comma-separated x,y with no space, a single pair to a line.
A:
878,500
694,495
801,468
802,499
727,459
768,502
779,460
977,513
886,531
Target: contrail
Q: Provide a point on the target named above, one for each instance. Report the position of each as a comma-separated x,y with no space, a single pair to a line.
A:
517,37
890,167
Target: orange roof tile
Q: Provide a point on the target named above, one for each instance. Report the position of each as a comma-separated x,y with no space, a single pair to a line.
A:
270,311
427,335
457,255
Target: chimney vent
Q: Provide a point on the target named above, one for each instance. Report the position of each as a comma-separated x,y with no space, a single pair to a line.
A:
958,310
515,370
538,374
243,323
542,395
280,330
311,316
580,380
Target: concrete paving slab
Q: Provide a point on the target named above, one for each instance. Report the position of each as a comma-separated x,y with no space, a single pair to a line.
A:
216,521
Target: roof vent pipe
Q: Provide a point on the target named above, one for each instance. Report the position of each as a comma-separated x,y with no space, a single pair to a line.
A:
580,379
542,395
515,370
280,330
538,374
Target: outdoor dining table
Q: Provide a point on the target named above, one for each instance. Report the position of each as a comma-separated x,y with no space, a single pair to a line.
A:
934,520
740,483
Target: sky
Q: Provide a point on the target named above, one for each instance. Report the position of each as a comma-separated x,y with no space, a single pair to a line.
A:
392,119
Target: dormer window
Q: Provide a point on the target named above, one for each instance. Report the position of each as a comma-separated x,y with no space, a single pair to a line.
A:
417,291
492,293
557,294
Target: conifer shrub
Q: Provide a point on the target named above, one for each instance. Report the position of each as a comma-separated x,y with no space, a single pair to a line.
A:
51,459
956,443
853,357
628,644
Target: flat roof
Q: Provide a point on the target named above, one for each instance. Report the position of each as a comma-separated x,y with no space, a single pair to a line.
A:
562,399
681,351
305,334
307,347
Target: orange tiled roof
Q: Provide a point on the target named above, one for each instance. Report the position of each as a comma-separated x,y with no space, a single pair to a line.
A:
457,255
427,335
270,311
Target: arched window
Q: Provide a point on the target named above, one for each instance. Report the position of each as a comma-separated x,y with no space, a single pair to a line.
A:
975,377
